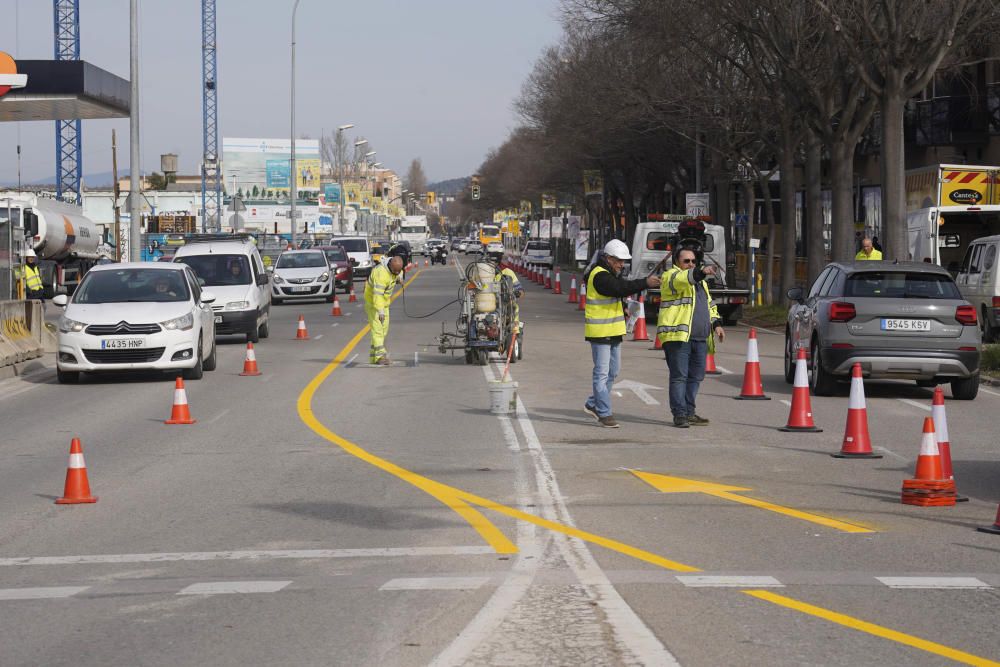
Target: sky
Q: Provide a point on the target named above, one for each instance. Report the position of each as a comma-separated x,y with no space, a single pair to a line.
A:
434,79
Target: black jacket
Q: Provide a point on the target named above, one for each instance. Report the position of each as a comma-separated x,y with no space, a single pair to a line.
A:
608,284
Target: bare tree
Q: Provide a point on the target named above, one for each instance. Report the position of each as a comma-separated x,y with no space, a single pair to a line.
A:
416,180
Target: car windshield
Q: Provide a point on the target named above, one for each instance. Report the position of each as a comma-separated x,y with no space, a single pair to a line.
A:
412,230
301,260
217,270
132,285
901,285
335,255
354,245
538,245
490,231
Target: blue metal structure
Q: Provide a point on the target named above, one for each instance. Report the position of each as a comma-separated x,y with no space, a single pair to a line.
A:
69,135
211,181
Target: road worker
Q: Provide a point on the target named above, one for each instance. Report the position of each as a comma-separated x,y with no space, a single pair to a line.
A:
378,293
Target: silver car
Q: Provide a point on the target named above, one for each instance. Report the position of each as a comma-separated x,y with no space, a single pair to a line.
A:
903,320
300,275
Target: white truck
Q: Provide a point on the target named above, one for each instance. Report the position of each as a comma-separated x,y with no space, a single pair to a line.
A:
65,241
651,244
414,230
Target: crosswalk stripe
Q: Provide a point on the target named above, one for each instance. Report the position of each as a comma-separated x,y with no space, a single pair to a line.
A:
229,587
40,593
434,584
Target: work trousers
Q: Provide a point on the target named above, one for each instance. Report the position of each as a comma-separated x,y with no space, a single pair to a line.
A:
686,362
379,331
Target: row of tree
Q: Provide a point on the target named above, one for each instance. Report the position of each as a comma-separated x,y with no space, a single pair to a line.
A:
661,95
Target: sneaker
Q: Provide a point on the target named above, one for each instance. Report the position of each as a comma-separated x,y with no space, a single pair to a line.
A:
681,422
695,420
591,411
608,422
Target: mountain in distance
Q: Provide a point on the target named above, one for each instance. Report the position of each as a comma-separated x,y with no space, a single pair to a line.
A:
452,186
102,179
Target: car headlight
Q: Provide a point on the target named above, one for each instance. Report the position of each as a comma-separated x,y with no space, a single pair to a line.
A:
277,279
237,305
323,277
366,263
182,323
67,325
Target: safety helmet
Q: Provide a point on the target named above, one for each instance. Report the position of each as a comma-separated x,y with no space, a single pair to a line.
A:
29,253
617,249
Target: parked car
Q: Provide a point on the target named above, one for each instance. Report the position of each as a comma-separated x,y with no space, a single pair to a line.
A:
899,321
300,275
494,246
463,245
343,270
978,280
136,316
538,252
235,273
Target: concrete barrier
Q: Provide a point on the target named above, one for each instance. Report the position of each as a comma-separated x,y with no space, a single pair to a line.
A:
22,330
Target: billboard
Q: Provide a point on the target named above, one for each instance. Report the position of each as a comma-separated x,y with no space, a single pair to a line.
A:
261,168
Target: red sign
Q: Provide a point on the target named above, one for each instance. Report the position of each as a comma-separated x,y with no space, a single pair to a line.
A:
9,78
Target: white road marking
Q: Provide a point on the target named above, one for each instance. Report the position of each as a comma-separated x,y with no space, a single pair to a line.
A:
229,587
770,331
619,394
218,416
724,371
726,581
375,552
319,336
786,402
334,324
435,584
348,314
914,404
640,389
933,582
416,358
40,593
892,454
351,360
989,391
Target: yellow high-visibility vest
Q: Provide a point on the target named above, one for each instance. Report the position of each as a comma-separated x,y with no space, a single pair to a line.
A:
32,279
603,316
677,294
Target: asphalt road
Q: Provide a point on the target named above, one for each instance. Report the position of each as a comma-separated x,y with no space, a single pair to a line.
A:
328,512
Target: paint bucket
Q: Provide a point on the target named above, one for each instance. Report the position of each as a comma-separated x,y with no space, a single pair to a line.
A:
503,397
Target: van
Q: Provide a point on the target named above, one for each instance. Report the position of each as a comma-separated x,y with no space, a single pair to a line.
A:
359,250
538,252
978,280
235,273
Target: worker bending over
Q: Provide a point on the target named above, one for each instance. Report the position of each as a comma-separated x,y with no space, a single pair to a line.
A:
378,293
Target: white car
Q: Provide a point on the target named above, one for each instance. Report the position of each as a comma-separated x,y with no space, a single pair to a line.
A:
494,247
538,252
136,316
300,275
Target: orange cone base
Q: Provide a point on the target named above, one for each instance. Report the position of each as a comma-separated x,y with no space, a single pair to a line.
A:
801,429
927,500
75,501
856,455
180,421
246,374
715,372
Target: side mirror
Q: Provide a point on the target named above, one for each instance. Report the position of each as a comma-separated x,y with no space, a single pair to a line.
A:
795,294
207,297
60,300
262,279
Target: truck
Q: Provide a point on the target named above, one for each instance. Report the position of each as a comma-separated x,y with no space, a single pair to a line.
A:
947,207
415,230
652,243
489,234
66,242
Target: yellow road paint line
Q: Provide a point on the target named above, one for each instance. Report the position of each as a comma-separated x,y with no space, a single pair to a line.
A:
798,514
872,629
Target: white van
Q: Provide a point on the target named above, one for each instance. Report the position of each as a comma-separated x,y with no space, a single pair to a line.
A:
538,252
978,280
235,273
359,251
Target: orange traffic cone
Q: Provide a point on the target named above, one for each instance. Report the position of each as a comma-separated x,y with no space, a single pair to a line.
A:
753,389
77,489
639,330
353,298
572,291
180,414
800,416
250,363
548,279
582,303
857,443
943,441
929,488
427,262
557,287
710,368
302,333
995,528
336,312
657,345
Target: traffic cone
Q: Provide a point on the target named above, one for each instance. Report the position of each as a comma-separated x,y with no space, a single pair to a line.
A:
557,287
582,303
250,363
657,345
77,489
572,291
639,330
943,441
928,487
548,279
336,312
800,416
427,262
753,389
302,333
710,368
857,443
995,528
929,465
353,298
180,413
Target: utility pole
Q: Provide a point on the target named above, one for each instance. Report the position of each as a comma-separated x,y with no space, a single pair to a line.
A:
293,185
117,196
135,210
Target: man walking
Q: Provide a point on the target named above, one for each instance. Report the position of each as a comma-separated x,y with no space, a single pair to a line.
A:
604,324
868,250
378,292
33,286
687,319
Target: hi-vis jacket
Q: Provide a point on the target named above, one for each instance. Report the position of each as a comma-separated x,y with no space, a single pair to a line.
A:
603,315
379,286
677,294
32,279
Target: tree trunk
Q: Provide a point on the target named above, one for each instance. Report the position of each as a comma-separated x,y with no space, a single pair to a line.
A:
788,187
841,182
816,249
894,241
765,186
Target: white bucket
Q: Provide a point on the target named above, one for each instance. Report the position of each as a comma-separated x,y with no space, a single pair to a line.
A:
503,397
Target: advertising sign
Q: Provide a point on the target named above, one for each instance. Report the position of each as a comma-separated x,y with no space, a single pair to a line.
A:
544,229
278,174
331,192
697,203
261,168
572,226
582,239
593,183
548,201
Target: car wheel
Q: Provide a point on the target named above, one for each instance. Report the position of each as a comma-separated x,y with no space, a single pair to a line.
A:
264,330
789,361
822,383
67,377
330,298
253,335
965,389
198,370
212,360
483,357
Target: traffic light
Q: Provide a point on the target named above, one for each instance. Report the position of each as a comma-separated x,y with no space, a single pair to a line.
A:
475,192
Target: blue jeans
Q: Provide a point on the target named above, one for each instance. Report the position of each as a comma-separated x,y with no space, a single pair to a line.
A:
686,362
607,361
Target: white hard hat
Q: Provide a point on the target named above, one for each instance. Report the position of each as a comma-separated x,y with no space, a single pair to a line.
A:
29,253
617,249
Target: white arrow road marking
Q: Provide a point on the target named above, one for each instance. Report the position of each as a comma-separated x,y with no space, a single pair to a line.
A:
640,390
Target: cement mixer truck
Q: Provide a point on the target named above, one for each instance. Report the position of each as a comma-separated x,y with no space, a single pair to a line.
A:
65,241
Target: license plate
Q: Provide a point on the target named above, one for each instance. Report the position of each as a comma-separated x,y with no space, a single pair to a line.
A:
218,319
122,343
905,325
300,289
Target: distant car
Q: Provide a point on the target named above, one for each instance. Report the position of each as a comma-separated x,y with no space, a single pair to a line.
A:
538,252
136,316
899,321
301,275
473,248
494,246
463,245
456,244
359,251
340,263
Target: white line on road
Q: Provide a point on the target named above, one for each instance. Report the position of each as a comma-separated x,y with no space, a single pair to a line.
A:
229,587
989,391
933,582
914,404
416,358
40,593
435,584
725,581
218,416
892,454
351,360
376,552
319,336
334,324
786,402
724,371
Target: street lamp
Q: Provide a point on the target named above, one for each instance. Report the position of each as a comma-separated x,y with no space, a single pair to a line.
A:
340,176
294,185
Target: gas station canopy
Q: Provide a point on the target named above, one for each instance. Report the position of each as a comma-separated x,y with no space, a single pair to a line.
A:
65,90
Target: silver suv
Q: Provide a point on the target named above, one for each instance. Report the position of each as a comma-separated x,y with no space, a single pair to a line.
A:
903,320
